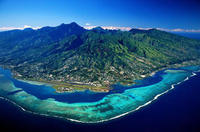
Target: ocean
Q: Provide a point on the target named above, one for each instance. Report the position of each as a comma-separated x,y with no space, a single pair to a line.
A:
175,111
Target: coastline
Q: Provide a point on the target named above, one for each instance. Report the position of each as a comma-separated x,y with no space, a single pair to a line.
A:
141,106
60,86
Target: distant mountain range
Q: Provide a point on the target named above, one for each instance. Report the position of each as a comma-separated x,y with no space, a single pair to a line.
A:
98,57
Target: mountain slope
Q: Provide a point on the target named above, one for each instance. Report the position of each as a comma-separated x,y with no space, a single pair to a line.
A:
69,53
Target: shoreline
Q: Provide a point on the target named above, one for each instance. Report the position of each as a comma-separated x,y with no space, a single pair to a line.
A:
105,89
118,116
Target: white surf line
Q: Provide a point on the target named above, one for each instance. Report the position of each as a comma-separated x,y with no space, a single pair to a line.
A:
193,74
4,98
101,121
149,102
36,113
156,97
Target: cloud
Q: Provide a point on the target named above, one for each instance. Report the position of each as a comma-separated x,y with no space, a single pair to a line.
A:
144,28
163,29
110,28
117,28
20,28
87,24
180,30
89,27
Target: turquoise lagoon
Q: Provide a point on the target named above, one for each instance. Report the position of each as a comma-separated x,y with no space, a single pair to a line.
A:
87,106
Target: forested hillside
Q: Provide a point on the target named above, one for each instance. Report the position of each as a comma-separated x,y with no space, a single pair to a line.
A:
70,53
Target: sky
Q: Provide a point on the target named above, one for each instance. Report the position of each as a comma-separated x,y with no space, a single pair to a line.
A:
172,15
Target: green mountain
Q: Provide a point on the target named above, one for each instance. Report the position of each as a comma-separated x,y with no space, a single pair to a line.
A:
69,54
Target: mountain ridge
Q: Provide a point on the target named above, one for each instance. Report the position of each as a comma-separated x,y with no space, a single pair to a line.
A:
69,53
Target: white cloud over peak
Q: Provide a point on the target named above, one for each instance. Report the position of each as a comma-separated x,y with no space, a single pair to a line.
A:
144,28
117,28
20,28
180,30
89,27
87,24
163,29
110,28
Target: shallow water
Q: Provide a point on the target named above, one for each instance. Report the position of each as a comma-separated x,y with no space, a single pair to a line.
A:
44,92
90,106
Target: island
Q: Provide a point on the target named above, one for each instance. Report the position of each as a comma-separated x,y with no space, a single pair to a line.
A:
72,58
92,76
